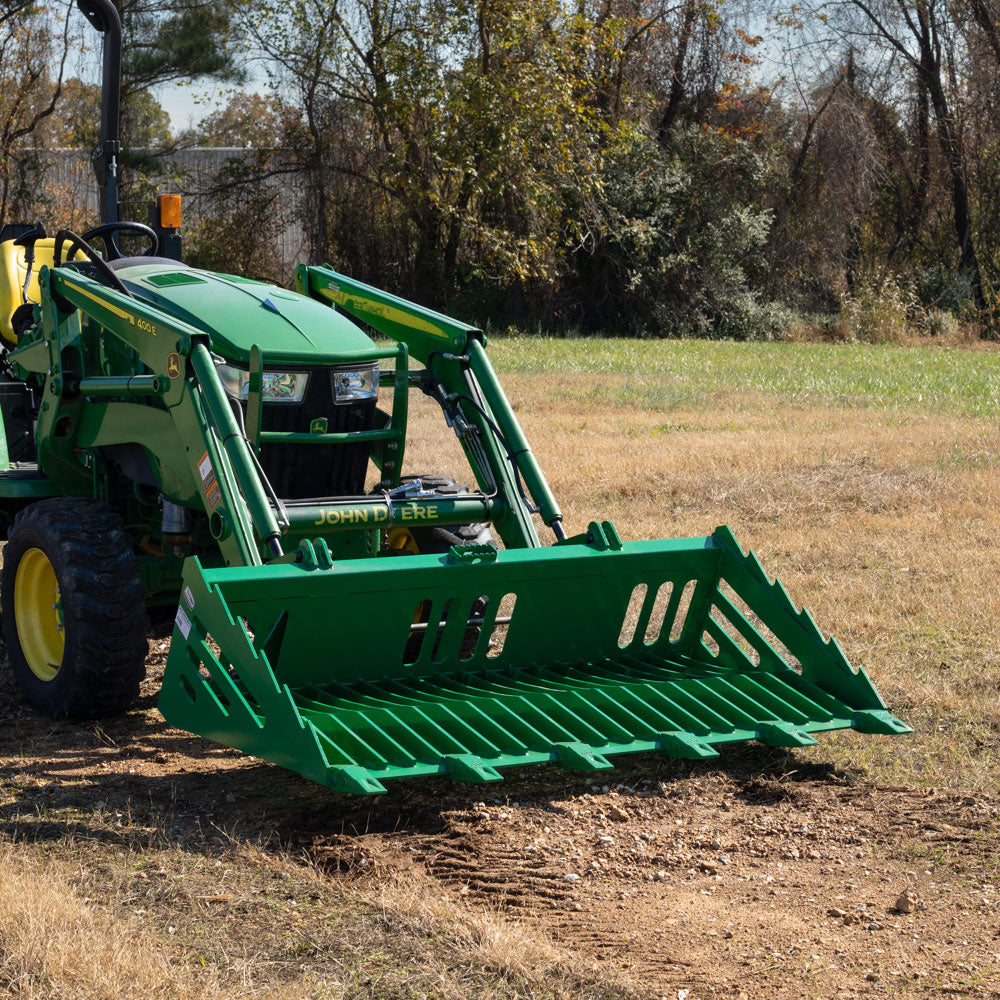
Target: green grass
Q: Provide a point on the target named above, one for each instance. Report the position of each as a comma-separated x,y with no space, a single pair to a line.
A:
691,372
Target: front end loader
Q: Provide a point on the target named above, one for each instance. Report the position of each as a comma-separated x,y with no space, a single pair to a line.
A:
180,438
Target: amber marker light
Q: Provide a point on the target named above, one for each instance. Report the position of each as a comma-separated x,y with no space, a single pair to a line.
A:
170,211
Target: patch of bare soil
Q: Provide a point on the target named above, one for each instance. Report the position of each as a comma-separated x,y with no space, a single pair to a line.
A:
764,874
724,884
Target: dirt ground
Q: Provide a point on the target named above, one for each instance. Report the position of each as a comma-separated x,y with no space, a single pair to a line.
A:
863,866
768,873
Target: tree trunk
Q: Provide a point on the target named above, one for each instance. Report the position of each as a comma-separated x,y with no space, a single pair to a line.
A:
930,70
912,215
669,115
987,20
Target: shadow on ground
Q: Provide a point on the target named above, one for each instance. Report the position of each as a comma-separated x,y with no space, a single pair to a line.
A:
157,783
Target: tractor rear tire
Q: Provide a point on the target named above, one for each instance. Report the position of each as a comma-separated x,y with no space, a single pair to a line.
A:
73,607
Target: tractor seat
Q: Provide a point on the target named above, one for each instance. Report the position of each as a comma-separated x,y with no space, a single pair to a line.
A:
13,270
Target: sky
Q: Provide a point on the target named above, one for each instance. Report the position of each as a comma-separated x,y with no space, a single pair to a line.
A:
189,104
186,104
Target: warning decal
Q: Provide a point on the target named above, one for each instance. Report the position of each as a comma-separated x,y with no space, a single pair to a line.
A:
209,482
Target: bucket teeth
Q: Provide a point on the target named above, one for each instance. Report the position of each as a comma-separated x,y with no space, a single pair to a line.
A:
580,757
879,723
685,746
783,734
354,781
468,767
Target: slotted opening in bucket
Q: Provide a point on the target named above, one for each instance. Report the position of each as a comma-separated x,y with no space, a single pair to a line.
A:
631,617
657,617
474,627
789,658
213,659
677,627
439,629
215,654
736,637
415,640
245,622
501,625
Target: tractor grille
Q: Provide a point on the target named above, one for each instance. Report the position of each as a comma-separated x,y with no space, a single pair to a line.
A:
298,471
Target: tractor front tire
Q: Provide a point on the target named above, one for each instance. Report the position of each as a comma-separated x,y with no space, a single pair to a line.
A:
438,539
73,606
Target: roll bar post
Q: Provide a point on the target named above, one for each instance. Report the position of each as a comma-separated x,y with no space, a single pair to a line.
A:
103,15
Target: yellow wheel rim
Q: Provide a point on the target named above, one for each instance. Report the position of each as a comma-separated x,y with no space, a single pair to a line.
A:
402,542
38,614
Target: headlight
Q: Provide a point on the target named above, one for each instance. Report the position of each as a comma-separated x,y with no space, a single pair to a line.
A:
279,387
348,386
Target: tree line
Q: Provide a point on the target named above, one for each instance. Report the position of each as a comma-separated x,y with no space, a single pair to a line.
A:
721,169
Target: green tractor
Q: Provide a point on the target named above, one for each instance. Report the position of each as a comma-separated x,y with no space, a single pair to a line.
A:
200,441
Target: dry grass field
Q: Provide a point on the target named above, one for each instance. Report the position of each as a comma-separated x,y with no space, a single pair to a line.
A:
137,861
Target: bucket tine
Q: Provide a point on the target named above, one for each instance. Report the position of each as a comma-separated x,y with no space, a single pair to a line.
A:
467,767
878,722
580,757
783,734
685,746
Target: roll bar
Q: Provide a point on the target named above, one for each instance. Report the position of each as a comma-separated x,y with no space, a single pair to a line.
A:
103,15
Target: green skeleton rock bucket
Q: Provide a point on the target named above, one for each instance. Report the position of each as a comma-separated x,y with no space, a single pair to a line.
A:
466,664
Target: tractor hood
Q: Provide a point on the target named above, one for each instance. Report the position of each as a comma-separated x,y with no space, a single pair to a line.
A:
238,313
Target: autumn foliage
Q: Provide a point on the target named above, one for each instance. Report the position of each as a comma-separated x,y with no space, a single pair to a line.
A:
631,166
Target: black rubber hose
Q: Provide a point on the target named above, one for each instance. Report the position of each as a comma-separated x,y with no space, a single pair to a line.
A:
497,433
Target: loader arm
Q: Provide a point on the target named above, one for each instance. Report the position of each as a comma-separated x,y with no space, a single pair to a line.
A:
454,354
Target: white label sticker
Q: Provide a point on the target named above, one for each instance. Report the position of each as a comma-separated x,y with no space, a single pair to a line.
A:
189,597
183,622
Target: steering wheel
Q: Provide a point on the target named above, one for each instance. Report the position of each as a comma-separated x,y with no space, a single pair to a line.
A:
75,242
107,231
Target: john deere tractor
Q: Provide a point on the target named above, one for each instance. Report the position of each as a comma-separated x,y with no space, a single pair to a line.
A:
227,447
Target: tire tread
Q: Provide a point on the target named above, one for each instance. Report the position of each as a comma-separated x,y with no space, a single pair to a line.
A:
103,605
